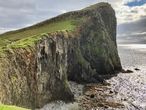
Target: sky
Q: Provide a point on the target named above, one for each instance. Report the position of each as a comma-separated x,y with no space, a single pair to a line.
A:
15,14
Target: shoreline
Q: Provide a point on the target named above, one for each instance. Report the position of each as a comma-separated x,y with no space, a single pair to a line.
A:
125,90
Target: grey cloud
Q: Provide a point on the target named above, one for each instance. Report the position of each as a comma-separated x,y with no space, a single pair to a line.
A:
20,13
16,4
21,19
134,11
132,28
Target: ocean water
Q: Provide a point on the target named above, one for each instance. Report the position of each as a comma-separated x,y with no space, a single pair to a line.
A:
132,51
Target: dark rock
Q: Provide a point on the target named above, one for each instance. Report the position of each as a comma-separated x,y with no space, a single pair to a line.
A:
125,99
111,92
94,53
106,107
127,71
92,96
136,69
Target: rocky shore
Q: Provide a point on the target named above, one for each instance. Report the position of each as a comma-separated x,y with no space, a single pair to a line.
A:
124,91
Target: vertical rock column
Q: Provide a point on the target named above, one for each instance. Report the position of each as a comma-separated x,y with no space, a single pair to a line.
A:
52,68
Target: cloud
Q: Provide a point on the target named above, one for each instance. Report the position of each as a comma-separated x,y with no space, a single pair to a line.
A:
17,4
128,14
21,13
133,28
63,11
131,20
18,14
2,30
128,1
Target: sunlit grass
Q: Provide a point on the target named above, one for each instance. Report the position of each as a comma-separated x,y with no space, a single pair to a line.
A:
8,107
29,35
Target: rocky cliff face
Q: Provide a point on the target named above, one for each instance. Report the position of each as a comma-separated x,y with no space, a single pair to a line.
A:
94,51
35,75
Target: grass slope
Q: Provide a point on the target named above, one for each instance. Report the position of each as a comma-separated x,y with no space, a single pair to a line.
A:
7,107
31,34
28,35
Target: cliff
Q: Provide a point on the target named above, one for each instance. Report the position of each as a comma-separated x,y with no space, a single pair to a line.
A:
79,46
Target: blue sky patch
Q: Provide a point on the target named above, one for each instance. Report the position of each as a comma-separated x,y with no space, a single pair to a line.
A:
136,3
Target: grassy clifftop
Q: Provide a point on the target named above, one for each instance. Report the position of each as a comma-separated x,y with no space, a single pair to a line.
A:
68,21
31,33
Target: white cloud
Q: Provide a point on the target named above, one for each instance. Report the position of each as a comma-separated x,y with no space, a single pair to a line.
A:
2,30
130,14
63,11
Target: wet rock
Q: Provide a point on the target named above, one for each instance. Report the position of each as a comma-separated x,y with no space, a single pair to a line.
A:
125,99
92,96
137,69
111,92
127,71
99,98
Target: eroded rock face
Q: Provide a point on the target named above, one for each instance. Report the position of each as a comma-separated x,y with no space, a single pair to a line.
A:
33,76
52,68
94,52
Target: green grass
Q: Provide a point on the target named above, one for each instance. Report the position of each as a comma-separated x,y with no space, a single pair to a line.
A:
7,107
35,30
22,43
27,36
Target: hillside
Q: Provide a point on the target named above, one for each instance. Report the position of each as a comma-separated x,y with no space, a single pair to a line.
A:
34,32
67,21
37,62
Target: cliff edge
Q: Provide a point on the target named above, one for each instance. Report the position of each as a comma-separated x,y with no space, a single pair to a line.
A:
79,46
